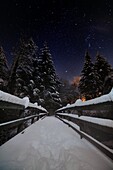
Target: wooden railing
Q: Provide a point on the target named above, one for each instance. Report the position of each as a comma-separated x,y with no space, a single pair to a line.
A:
93,122
102,110
22,111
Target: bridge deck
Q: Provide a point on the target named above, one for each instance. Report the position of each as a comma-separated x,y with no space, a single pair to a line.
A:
49,144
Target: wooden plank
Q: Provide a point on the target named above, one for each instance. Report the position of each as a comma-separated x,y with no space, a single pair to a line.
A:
8,105
80,122
99,106
16,122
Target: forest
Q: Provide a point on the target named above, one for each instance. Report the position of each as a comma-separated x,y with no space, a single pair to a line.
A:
33,74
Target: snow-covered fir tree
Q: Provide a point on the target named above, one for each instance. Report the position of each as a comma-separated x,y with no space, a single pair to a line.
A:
4,70
48,80
37,80
21,79
90,82
103,68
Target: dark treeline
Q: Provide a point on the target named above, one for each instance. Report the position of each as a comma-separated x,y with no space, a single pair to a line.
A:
96,78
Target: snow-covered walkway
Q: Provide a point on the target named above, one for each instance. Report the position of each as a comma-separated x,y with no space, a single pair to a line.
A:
49,144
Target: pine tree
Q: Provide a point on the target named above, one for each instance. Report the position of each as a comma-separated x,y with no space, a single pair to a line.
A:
103,68
4,70
49,80
21,80
89,83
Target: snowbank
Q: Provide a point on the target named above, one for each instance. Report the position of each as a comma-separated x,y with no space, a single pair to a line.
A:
101,99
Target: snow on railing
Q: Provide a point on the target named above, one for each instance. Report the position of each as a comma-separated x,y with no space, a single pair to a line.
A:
11,99
99,100
35,106
6,97
33,113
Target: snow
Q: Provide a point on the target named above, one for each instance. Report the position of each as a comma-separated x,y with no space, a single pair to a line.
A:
40,114
49,144
26,101
68,114
72,124
15,121
78,128
16,100
103,122
36,106
13,99
100,121
101,99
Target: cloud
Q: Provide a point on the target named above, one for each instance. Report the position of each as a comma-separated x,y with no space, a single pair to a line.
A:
75,81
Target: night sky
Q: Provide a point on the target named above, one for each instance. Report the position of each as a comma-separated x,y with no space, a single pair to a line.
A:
69,26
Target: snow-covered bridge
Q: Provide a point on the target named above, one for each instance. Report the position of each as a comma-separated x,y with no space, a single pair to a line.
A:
49,144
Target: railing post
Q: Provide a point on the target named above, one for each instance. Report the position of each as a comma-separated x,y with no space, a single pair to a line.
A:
80,133
37,117
79,113
32,120
19,128
22,114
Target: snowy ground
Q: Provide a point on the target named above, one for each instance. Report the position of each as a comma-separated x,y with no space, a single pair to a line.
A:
49,144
